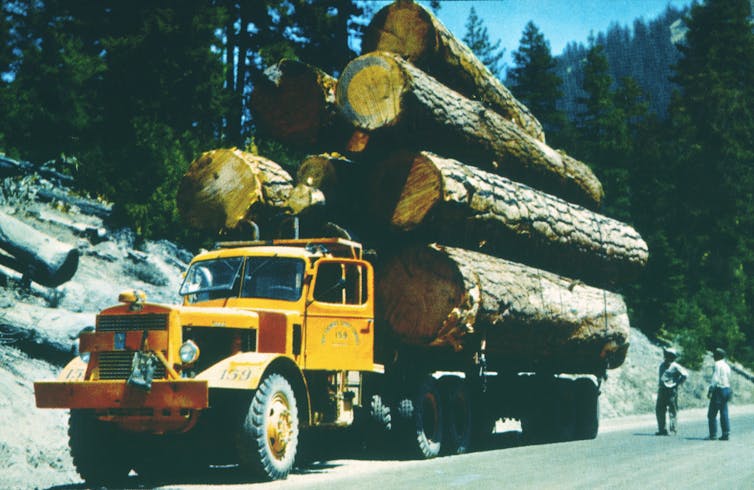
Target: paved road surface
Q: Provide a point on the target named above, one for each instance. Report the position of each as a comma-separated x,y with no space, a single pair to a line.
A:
626,455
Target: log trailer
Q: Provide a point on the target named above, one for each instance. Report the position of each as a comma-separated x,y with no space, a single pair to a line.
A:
276,337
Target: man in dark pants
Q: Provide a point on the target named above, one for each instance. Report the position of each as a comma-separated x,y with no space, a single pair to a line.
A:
719,394
671,376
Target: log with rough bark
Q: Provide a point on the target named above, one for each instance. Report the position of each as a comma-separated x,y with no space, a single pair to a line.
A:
411,31
321,179
38,256
380,92
436,296
225,187
295,103
444,200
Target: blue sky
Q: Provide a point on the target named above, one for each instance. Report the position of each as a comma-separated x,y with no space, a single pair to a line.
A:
561,21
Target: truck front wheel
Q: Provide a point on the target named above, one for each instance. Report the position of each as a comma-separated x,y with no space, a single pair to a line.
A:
97,449
268,439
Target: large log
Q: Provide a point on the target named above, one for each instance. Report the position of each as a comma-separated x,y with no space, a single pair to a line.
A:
295,103
436,296
411,31
224,187
444,200
38,256
380,92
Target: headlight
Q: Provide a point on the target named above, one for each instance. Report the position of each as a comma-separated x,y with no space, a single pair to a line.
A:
189,352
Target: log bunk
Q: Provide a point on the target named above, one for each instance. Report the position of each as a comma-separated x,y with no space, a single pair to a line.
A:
486,237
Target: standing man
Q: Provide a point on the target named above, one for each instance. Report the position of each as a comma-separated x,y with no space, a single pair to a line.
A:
719,395
671,376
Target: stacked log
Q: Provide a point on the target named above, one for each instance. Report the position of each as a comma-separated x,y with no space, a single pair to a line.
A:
381,91
485,235
225,187
411,31
295,103
435,295
453,203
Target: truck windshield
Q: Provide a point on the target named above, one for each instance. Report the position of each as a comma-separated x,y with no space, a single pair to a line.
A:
212,279
273,278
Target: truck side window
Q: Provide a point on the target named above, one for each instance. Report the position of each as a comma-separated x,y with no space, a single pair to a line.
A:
341,284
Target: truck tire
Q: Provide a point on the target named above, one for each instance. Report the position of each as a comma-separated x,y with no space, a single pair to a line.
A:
98,450
379,414
269,434
457,415
420,425
587,409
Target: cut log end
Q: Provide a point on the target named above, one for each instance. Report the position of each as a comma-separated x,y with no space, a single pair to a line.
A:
290,102
405,188
403,28
417,293
370,92
217,190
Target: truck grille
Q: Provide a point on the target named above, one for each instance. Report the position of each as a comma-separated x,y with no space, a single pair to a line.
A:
122,323
117,365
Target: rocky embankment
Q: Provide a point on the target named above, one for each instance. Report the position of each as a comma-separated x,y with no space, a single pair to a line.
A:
38,325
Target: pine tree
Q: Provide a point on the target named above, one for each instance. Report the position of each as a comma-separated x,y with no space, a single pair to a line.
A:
713,119
478,39
533,79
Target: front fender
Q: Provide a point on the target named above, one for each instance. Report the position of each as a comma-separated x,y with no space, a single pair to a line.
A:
241,371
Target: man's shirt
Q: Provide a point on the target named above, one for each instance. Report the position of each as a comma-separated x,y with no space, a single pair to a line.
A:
672,374
720,375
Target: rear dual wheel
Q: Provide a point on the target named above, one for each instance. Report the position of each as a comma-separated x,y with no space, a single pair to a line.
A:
438,419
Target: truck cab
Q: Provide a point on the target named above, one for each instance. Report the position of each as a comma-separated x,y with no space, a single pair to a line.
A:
271,337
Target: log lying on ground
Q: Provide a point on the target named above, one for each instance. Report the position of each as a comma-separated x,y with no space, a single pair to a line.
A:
437,296
295,103
226,186
411,31
38,256
444,200
380,91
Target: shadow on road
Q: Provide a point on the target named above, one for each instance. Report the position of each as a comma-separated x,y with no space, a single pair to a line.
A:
315,458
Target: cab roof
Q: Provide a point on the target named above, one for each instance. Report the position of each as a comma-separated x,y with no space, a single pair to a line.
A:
294,248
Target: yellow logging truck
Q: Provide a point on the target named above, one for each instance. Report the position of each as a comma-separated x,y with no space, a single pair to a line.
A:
272,338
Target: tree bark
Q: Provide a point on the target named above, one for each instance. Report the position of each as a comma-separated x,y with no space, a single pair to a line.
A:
295,104
38,256
322,179
411,31
441,199
380,91
227,186
527,318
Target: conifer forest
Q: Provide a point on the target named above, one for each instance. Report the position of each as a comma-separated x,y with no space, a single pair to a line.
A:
124,95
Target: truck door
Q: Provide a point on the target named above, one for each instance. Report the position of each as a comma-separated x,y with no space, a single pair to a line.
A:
339,331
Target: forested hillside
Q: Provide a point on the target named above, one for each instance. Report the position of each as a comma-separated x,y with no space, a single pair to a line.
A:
124,95
644,51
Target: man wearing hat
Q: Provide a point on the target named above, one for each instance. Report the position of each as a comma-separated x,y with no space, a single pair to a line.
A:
719,395
671,376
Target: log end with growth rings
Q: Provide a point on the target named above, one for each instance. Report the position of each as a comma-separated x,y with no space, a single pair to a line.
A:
370,91
402,27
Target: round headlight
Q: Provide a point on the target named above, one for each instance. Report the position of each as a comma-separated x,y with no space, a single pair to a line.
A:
189,352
